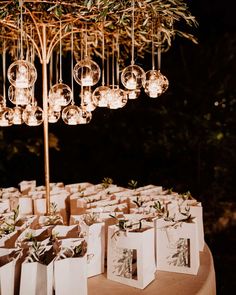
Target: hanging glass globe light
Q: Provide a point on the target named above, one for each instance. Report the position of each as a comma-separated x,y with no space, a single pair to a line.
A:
22,74
2,102
133,77
85,116
33,115
101,96
155,84
133,94
6,117
60,95
117,97
87,72
53,115
87,101
71,115
17,116
55,108
20,96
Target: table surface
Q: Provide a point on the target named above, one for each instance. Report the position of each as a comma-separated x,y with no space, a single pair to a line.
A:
166,283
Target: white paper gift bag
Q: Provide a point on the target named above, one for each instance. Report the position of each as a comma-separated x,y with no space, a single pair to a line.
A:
131,259
7,278
10,267
95,237
25,206
177,247
33,279
40,206
196,210
70,276
40,272
4,205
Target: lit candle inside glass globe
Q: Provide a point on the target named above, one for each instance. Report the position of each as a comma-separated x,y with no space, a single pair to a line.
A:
86,72
33,115
22,74
17,116
60,95
85,116
6,117
53,115
133,77
2,102
20,96
155,84
133,94
71,115
131,83
117,97
87,101
101,96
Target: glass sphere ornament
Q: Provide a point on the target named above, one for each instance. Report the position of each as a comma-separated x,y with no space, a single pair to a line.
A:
60,95
133,77
85,116
133,94
33,115
20,96
87,101
6,117
117,98
55,108
22,74
155,84
87,72
17,116
101,96
71,115
2,102
53,115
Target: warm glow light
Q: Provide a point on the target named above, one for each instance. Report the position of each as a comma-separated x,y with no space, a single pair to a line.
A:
17,116
60,95
101,96
87,102
155,83
19,96
133,77
117,97
71,115
87,72
6,117
22,74
33,115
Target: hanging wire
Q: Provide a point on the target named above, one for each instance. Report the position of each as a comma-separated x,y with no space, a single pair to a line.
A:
108,67
159,45
113,62
86,41
18,41
72,65
51,70
118,60
103,58
4,70
60,75
153,47
132,34
21,30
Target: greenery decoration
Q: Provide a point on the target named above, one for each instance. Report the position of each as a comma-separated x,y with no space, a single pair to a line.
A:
112,18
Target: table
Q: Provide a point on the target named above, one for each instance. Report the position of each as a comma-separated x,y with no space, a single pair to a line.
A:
166,283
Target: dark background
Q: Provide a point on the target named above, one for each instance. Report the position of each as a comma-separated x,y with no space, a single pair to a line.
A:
183,140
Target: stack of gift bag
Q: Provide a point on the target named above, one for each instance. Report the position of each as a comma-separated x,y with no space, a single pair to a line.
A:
90,229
